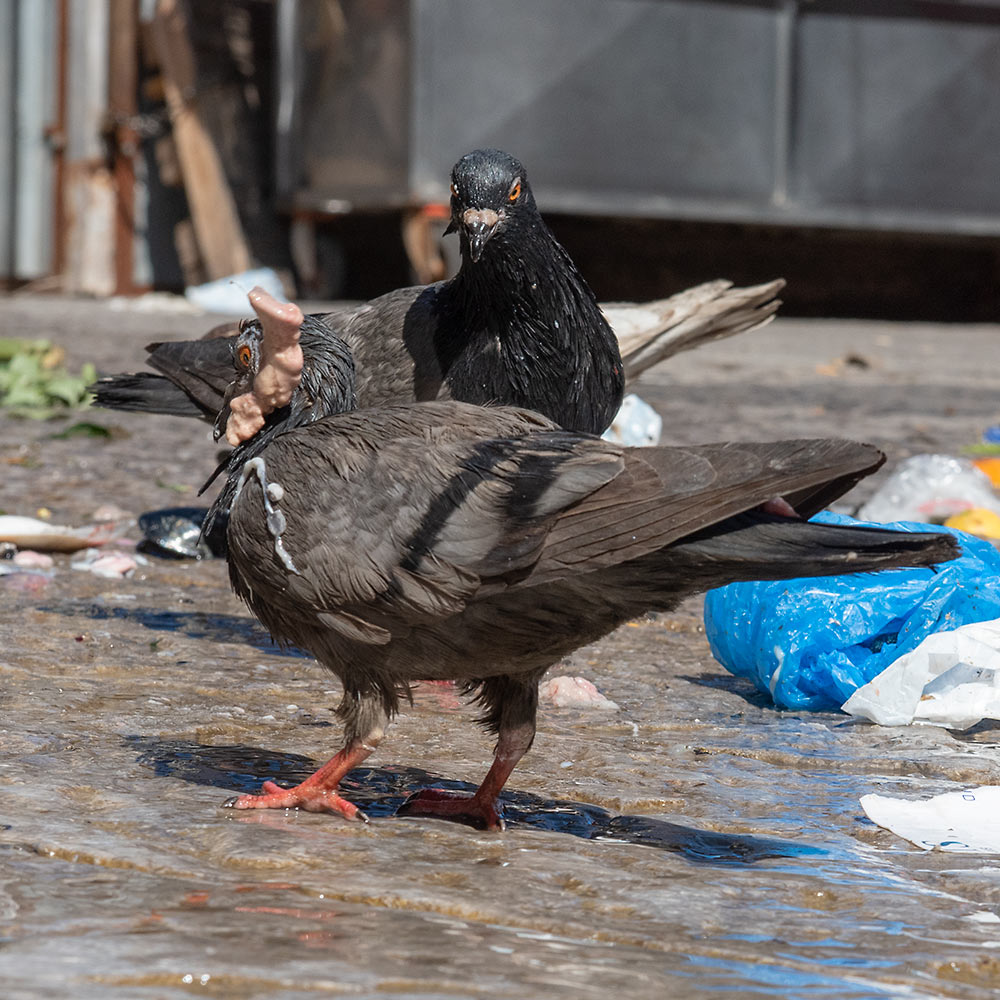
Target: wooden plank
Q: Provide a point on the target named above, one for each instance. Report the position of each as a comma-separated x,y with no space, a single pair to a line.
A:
216,224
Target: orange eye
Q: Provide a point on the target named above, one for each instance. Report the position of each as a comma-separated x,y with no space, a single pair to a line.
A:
244,355
454,190
515,191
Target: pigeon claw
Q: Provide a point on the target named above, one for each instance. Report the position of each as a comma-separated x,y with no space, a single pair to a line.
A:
472,810
313,799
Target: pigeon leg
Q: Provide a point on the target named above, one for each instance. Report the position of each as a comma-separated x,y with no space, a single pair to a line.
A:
319,792
481,809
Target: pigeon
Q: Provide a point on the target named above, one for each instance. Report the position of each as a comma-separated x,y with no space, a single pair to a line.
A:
517,324
450,541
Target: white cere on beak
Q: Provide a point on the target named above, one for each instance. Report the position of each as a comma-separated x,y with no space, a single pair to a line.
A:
484,216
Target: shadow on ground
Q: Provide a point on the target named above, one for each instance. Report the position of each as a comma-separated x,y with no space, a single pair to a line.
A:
380,791
194,624
738,686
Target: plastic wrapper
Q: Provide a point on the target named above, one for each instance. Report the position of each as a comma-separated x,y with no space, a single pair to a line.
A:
811,643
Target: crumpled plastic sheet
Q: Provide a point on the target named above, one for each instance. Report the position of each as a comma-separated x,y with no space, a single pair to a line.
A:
931,488
811,643
967,822
951,679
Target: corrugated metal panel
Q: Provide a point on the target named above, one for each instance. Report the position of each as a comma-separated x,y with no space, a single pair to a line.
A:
27,107
858,113
898,114
8,49
600,98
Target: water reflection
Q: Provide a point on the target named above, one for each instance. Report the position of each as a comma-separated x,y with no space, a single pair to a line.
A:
379,791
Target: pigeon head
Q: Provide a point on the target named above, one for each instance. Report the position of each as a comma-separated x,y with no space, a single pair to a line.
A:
326,386
489,195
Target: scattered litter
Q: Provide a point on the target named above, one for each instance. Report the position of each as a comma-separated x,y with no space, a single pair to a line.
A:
154,302
175,532
26,571
229,295
951,679
636,424
968,821
28,581
8,567
838,366
111,512
108,564
29,559
31,533
989,466
931,488
979,522
573,692
811,643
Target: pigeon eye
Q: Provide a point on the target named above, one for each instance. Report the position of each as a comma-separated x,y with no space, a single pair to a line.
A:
244,355
454,190
515,191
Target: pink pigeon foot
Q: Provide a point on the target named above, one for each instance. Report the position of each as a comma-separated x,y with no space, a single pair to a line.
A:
480,809
473,810
318,793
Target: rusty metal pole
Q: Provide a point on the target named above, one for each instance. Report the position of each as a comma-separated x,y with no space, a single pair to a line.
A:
123,74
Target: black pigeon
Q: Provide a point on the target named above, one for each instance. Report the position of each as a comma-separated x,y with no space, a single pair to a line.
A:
448,541
517,325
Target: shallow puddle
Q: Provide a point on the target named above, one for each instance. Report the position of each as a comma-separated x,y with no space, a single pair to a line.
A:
694,844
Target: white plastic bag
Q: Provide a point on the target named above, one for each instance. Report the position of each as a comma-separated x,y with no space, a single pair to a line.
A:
966,821
951,679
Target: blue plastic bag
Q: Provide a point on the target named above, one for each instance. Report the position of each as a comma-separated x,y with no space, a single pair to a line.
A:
811,643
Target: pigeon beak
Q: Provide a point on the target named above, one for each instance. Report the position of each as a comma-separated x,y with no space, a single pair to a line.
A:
235,389
479,224
219,428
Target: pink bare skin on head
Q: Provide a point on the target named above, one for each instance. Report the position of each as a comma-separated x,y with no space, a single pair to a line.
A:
280,369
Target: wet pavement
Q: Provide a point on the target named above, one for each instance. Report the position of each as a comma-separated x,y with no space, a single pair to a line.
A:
695,843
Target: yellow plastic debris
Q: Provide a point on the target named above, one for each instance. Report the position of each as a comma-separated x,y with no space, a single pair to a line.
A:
978,521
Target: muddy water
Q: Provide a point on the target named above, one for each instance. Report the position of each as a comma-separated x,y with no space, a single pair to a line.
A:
696,843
